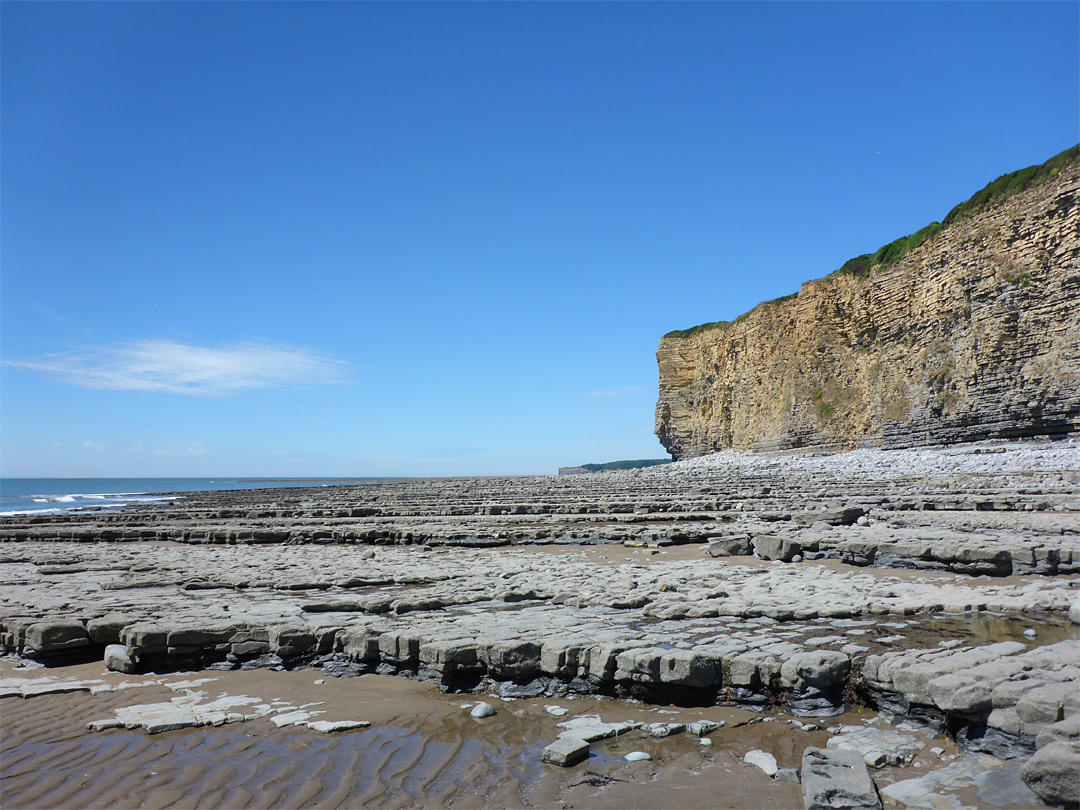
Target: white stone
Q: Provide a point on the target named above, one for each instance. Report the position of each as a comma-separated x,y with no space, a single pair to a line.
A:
637,756
763,760
117,659
482,710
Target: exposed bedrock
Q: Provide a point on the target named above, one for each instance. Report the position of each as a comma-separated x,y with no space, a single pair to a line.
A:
994,509
589,584
803,636
971,335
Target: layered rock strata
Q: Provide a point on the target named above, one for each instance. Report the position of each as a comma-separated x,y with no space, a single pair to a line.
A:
971,335
1015,497
588,584
704,629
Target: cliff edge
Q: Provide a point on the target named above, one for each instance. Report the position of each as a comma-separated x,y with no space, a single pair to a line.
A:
973,333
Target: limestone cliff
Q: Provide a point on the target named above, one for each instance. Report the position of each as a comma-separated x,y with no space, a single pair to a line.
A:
973,334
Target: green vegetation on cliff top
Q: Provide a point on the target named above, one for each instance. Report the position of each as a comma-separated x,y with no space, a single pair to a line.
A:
888,255
626,465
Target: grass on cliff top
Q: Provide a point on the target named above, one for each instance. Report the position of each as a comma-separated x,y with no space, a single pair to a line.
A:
634,464
887,255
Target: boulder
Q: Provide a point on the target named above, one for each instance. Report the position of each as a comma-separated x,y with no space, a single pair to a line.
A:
1053,774
1067,730
960,693
776,547
601,661
736,545
118,660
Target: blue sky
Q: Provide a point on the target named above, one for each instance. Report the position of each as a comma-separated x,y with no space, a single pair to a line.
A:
345,239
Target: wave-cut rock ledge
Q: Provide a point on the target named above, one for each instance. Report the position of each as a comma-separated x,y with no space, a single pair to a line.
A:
931,584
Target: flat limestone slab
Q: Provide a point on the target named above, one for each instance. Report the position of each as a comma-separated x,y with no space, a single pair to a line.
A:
62,688
833,779
331,726
591,728
995,780
566,751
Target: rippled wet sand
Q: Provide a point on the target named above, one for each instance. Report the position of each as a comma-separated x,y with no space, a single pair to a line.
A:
422,750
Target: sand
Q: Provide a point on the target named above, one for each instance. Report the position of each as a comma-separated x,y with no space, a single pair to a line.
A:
422,750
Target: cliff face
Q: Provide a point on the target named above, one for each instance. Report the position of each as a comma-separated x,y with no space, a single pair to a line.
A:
974,334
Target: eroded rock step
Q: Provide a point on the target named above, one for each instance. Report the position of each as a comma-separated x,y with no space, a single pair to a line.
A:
960,510
802,636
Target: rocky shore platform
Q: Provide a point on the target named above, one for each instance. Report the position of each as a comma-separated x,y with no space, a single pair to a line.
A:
938,587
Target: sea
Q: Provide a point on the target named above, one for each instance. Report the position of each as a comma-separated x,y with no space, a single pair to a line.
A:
21,496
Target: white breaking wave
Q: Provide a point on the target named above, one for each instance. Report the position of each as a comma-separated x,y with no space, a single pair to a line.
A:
86,500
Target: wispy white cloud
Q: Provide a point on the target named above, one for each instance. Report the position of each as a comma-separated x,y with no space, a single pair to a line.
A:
49,313
167,367
93,446
614,392
188,451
